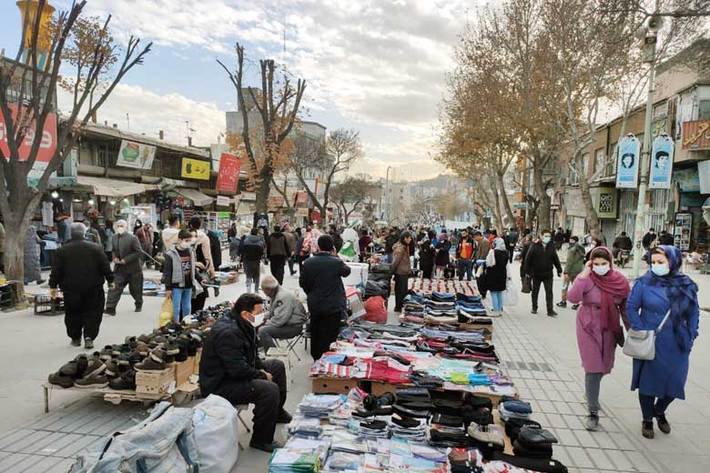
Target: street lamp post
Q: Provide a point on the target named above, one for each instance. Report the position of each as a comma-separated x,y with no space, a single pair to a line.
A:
650,39
388,195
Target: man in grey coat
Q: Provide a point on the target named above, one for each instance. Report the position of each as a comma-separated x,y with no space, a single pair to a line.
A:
127,268
286,314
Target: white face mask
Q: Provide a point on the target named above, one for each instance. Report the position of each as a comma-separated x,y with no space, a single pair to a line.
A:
601,270
184,244
660,269
546,239
120,230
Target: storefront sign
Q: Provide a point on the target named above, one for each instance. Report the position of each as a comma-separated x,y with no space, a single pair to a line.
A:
250,196
605,201
228,176
135,155
682,230
627,163
661,163
696,135
47,147
195,169
687,179
275,202
223,201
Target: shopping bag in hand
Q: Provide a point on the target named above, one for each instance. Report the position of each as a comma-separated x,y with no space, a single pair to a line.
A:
166,312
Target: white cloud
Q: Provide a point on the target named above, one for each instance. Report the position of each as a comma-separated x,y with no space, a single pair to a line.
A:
149,112
380,65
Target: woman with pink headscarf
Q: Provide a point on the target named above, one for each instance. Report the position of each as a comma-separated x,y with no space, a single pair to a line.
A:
602,291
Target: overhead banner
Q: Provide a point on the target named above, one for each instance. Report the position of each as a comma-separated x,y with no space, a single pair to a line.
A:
228,177
195,169
135,155
627,162
661,163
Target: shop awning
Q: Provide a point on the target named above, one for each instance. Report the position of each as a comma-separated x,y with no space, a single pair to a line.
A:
197,197
113,187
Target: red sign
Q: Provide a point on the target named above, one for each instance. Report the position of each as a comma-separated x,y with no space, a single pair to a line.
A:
696,135
47,147
228,176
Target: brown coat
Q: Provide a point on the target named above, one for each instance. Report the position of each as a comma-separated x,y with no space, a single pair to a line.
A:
400,260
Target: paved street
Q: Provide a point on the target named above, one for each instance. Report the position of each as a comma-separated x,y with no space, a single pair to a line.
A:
539,352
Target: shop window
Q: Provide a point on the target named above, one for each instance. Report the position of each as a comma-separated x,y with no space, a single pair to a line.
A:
611,162
103,158
599,160
704,110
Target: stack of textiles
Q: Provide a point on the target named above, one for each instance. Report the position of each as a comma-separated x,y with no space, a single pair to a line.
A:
408,429
338,365
469,307
319,405
413,309
285,460
514,409
305,427
465,460
427,286
441,309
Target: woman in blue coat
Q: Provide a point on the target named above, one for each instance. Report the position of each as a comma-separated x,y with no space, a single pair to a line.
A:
661,380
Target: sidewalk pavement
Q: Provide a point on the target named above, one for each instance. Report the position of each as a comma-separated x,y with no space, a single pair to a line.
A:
539,352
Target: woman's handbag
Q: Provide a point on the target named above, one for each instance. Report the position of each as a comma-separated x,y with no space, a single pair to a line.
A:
527,286
491,258
641,344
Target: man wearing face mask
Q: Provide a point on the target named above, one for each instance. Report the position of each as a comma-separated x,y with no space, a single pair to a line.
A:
540,260
179,275
230,368
573,266
127,268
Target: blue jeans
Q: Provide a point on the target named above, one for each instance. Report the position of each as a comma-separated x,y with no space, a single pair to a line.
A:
465,266
497,300
182,303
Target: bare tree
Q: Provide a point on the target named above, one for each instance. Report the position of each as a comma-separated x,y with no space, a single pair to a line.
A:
28,108
354,192
341,149
277,103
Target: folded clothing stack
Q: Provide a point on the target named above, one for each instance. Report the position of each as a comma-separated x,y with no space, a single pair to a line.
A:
422,380
307,428
285,460
409,429
487,438
319,405
465,460
443,297
534,442
531,464
513,426
445,436
374,429
514,409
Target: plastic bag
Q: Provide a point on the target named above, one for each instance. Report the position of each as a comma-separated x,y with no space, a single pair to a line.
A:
511,295
347,252
216,434
166,312
376,310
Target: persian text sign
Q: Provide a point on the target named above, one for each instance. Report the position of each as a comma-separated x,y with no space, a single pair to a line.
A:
47,147
696,135
228,176
195,169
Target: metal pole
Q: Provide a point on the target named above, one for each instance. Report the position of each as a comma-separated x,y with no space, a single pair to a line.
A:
640,223
387,195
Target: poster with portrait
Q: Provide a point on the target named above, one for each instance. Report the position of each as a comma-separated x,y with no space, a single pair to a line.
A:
627,162
682,230
661,163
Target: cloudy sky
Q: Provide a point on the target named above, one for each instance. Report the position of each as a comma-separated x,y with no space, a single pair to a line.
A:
377,66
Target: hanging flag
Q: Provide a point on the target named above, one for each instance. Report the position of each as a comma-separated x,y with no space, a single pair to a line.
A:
661,163
627,162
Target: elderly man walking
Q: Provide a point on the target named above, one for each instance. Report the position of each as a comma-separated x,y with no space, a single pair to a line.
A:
79,269
127,268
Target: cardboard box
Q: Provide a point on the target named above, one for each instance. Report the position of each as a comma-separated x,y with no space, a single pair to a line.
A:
183,370
156,382
333,385
198,358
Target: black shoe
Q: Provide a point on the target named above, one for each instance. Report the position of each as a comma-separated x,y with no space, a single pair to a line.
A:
533,312
88,343
663,424
562,304
575,306
76,342
284,417
647,429
127,381
154,362
265,447
139,307
109,311
552,313
58,379
94,376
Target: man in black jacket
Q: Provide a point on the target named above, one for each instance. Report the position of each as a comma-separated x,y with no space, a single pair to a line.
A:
321,279
231,368
79,269
539,262
127,266
277,250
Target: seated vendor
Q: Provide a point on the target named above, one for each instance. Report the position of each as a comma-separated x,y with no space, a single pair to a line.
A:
230,368
286,314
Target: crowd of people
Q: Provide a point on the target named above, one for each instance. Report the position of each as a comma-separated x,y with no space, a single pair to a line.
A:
664,299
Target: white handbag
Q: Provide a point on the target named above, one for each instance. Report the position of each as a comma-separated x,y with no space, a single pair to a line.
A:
491,258
641,344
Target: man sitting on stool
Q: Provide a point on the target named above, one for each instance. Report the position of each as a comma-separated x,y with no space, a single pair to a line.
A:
286,314
230,368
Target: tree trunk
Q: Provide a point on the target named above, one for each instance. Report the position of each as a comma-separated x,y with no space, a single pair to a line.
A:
592,217
543,208
14,256
506,203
